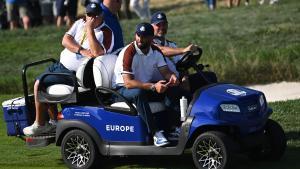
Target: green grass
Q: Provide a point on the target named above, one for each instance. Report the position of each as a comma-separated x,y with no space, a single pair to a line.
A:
15,155
245,45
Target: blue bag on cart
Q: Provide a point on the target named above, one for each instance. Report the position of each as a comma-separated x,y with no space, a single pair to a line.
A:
15,116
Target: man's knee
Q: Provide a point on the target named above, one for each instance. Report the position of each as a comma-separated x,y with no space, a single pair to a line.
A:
138,92
133,93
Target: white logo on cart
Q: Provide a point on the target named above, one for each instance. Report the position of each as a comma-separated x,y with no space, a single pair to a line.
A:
82,114
236,92
119,128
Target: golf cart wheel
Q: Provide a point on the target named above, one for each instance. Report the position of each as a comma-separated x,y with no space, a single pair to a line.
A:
78,150
212,150
274,145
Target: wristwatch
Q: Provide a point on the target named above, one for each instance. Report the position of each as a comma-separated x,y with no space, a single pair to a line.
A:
152,88
79,49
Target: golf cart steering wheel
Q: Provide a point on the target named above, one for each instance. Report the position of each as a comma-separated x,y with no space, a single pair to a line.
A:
189,59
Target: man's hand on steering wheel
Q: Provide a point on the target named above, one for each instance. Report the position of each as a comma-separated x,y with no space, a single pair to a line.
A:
190,58
191,48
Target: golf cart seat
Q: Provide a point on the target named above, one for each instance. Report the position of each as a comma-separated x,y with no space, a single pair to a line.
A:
83,79
154,106
83,82
103,70
93,73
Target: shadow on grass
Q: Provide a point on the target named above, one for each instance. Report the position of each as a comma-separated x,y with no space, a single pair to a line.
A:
169,162
59,161
293,135
185,161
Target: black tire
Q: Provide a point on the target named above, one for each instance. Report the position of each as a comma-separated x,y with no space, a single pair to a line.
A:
274,146
212,150
78,150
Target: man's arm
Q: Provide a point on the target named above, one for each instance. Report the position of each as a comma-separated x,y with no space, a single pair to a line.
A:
95,47
169,75
70,43
129,83
169,51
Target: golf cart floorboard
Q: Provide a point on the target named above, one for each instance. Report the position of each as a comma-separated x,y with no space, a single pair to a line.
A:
40,141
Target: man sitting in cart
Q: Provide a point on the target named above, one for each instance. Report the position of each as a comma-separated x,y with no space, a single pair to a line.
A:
88,37
173,54
134,69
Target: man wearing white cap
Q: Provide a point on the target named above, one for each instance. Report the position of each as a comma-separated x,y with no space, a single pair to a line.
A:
88,37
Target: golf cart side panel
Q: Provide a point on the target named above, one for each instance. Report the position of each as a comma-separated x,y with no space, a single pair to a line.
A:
117,150
113,127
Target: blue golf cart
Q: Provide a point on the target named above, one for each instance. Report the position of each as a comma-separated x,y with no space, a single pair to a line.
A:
222,119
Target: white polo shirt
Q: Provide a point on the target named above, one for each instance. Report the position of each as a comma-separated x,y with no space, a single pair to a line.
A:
132,60
171,61
103,34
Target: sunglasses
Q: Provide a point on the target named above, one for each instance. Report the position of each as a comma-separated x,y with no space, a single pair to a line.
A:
93,15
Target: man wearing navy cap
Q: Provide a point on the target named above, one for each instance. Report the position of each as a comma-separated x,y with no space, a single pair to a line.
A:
87,38
134,69
160,24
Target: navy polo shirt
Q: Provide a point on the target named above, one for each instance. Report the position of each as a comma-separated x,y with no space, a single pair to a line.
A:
112,21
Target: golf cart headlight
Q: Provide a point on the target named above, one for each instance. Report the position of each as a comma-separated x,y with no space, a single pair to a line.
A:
230,108
261,100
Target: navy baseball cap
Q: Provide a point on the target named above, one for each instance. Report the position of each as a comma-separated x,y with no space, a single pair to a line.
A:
158,17
93,8
144,29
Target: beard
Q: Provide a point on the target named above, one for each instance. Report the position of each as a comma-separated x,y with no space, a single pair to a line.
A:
144,45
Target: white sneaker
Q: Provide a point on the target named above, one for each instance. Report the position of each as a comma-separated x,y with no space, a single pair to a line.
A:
159,139
261,2
35,129
273,2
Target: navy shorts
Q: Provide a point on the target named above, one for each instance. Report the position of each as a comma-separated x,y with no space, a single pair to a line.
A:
69,9
57,79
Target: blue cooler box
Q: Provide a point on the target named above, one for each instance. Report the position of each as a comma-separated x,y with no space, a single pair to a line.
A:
15,116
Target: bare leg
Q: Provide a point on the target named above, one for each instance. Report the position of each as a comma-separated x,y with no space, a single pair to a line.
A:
229,3
237,2
39,107
13,25
69,21
26,22
59,21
